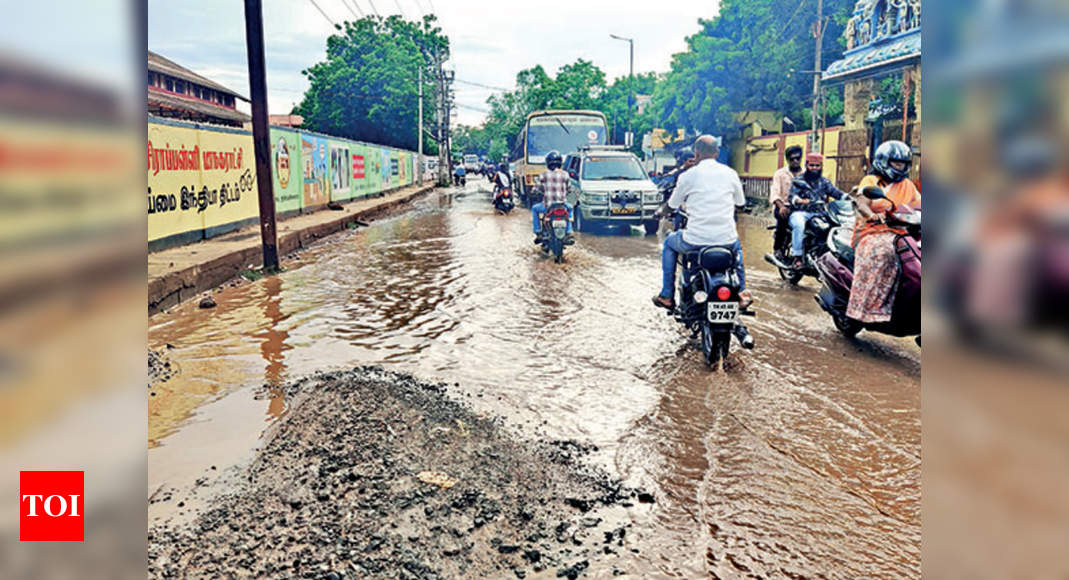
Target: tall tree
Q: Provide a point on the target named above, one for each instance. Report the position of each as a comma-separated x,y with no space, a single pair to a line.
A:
366,89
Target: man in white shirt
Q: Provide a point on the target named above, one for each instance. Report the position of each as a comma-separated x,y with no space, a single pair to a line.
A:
711,191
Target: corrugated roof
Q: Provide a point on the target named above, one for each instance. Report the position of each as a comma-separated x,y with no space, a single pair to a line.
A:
160,64
177,102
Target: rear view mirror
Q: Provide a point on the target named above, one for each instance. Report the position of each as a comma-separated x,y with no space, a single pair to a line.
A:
572,174
873,192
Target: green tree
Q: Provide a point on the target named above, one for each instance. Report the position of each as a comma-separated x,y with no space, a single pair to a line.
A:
366,89
743,59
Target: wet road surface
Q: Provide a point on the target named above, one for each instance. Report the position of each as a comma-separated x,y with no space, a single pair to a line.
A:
801,459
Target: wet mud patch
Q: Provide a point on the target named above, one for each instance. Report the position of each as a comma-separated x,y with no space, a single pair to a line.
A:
376,474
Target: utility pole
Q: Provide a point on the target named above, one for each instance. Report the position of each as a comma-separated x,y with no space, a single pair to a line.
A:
419,130
819,33
443,155
261,138
630,84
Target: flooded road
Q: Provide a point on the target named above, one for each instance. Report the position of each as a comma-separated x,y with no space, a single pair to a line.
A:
801,459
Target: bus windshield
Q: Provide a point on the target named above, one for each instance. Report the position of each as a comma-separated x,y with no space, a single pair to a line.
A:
563,133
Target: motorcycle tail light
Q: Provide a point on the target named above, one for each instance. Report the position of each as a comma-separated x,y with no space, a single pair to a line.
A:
723,293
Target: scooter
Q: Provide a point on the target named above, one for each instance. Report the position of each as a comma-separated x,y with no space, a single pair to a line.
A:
709,299
835,269
827,215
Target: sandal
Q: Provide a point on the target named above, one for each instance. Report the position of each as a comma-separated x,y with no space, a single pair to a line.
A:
662,302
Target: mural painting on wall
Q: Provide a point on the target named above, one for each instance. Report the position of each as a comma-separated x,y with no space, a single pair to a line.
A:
385,169
197,179
339,171
314,156
285,157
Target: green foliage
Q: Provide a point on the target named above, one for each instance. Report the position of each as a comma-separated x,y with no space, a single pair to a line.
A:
743,60
366,89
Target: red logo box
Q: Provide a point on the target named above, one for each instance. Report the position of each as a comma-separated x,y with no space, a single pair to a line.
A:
52,506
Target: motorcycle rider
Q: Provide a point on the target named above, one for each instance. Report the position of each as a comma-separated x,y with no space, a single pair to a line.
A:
684,161
778,194
457,174
802,202
872,293
712,192
553,183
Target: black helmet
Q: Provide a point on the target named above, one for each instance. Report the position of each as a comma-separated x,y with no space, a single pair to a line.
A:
683,154
553,160
890,151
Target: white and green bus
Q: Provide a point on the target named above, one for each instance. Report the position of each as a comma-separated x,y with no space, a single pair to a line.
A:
545,131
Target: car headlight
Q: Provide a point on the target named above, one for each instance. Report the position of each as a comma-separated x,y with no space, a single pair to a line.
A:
595,197
651,196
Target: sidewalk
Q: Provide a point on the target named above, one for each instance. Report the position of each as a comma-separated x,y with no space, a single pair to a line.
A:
183,272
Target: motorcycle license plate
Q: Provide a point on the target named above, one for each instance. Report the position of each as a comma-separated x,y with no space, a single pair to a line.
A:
722,312
558,224
624,210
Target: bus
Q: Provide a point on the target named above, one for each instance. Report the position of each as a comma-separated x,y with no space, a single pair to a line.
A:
545,131
471,163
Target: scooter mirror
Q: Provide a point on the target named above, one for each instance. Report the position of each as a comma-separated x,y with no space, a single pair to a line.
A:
873,192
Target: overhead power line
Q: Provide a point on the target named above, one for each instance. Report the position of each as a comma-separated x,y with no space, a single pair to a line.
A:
350,8
373,8
323,13
493,88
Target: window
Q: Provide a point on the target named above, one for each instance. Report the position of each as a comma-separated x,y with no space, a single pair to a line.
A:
151,79
180,87
170,85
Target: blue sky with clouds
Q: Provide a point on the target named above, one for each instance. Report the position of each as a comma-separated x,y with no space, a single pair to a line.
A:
491,41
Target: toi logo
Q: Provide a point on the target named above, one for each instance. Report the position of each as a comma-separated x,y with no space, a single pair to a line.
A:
51,506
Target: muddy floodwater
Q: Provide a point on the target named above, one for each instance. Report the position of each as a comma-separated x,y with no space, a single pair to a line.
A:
802,458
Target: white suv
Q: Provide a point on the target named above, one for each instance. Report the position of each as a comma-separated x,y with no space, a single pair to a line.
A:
611,188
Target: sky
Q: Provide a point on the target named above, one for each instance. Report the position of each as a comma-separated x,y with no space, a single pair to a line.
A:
491,42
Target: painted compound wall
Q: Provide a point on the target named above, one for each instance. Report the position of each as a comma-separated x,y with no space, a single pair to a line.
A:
202,179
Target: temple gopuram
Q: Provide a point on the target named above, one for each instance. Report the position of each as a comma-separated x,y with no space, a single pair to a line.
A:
883,40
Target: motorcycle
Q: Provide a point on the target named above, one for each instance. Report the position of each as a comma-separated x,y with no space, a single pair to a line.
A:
503,201
835,269
825,216
709,303
554,230
460,180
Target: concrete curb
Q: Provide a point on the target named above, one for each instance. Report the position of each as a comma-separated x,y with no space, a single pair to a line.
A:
173,288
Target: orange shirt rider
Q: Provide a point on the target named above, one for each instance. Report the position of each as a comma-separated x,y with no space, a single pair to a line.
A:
902,193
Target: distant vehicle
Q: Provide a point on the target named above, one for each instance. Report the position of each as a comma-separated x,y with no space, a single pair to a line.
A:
613,189
471,163
545,131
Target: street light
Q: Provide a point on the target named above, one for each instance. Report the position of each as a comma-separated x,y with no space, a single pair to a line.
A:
630,79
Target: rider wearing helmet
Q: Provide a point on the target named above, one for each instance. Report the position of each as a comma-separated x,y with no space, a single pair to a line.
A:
875,263
553,183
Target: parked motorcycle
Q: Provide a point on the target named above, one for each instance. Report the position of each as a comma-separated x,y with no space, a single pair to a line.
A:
503,201
709,303
835,269
827,215
554,230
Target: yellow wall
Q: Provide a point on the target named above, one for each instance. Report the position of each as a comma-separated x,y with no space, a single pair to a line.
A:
765,155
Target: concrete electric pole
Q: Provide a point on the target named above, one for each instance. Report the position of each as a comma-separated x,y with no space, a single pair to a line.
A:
818,31
261,137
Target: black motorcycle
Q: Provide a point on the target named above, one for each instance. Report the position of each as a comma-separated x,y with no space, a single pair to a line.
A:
554,231
503,201
709,303
825,216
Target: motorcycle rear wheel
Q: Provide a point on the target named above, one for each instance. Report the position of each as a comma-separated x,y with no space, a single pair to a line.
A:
714,345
